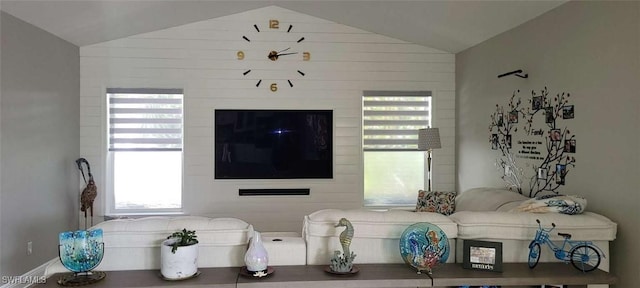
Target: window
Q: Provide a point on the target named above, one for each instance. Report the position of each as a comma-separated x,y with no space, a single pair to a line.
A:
394,170
145,150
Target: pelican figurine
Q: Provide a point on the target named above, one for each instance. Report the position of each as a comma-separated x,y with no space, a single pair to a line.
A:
89,193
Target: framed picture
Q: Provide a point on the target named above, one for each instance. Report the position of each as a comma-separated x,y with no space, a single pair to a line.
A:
542,173
500,120
570,146
494,141
548,115
567,112
556,135
561,171
482,255
513,116
536,103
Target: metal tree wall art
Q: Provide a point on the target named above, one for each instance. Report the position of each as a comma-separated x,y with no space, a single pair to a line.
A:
501,132
544,145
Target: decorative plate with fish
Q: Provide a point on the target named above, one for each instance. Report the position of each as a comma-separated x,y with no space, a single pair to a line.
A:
423,245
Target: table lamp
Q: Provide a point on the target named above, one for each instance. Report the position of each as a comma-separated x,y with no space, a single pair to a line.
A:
428,139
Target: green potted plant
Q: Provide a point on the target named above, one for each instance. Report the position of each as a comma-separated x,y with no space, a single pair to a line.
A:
179,255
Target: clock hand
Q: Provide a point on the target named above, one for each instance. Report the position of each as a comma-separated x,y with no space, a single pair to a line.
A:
273,55
280,54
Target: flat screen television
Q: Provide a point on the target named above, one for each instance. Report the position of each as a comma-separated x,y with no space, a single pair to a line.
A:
273,144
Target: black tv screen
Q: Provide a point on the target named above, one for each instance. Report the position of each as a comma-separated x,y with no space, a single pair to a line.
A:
273,144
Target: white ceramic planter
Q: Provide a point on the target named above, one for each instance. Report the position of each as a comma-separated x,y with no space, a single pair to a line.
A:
182,264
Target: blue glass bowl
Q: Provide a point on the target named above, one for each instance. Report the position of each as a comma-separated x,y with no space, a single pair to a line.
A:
423,245
82,250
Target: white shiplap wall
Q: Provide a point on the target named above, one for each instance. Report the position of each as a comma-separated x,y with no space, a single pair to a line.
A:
201,58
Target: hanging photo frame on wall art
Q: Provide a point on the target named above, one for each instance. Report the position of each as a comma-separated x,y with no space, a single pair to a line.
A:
556,135
570,146
536,103
561,171
494,141
513,117
567,112
548,115
542,173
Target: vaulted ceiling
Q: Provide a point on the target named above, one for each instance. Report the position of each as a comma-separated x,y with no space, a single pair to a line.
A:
450,26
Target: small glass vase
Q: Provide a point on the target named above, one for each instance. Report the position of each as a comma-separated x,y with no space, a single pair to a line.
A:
256,257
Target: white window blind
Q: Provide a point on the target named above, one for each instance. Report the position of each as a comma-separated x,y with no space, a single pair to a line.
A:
145,150
393,166
145,119
391,119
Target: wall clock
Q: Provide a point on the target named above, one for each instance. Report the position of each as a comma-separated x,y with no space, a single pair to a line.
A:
285,47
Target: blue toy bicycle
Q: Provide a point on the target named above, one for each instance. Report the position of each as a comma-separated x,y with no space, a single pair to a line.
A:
584,255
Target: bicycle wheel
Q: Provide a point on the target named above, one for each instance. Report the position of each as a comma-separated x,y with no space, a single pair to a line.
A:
534,254
585,258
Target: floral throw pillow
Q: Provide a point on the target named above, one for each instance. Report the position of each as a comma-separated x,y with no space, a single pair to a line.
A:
439,202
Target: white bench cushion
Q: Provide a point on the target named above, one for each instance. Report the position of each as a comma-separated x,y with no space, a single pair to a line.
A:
523,226
376,233
134,244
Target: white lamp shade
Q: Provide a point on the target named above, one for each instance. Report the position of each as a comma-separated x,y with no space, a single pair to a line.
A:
428,139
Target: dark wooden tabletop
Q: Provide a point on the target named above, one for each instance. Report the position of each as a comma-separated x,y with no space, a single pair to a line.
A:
520,274
368,276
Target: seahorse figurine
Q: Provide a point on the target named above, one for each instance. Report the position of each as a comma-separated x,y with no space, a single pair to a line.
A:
345,236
